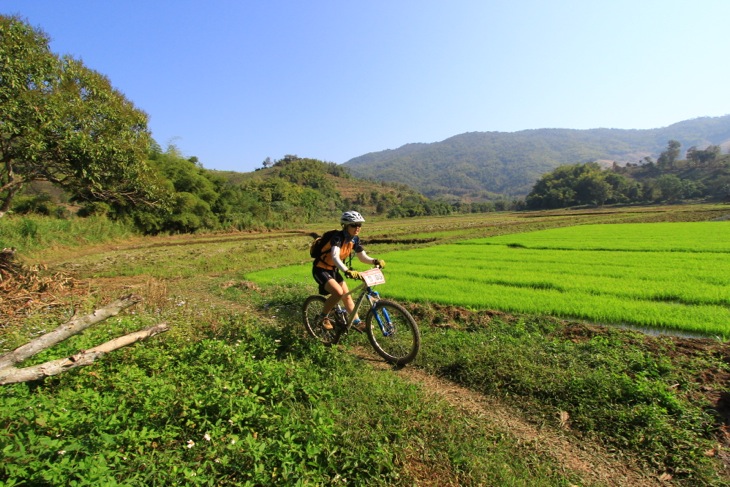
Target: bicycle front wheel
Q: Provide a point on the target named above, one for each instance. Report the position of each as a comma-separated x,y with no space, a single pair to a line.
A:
393,332
312,314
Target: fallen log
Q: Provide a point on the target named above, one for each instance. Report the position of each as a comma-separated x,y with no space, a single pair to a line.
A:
10,374
68,329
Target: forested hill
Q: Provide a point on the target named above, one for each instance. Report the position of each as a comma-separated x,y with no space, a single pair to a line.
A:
484,165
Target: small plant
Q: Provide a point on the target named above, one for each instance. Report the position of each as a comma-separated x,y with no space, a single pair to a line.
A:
617,386
254,405
31,233
233,394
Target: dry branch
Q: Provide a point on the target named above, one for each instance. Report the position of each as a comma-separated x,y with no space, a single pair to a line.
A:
10,374
25,289
68,329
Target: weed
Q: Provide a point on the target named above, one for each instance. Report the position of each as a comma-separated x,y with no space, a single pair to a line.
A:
233,395
256,410
614,389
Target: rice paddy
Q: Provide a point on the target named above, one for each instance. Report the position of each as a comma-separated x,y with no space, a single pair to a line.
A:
659,276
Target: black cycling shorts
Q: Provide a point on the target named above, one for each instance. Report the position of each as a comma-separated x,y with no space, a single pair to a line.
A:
321,276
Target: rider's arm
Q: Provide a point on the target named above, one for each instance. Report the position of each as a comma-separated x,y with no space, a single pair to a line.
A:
336,258
361,255
365,258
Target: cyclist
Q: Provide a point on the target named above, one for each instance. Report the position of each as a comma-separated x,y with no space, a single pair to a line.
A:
326,269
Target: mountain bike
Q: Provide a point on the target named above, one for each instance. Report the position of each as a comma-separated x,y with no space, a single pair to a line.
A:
390,328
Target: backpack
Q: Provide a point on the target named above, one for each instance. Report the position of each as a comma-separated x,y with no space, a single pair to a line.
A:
315,250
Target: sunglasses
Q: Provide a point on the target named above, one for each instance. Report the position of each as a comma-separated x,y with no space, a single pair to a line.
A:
356,225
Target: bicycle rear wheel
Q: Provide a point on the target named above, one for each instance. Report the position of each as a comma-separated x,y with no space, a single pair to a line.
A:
393,332
312,314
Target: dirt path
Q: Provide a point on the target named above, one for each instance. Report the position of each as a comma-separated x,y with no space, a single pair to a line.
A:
586,459
590,461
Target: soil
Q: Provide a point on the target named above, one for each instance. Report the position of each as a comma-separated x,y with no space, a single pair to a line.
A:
586,459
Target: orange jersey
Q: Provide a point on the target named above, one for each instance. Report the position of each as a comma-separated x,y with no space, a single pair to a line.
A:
346,247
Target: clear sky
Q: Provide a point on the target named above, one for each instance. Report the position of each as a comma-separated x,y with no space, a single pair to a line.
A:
233,82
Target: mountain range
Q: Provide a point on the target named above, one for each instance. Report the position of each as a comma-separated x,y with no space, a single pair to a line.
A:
486,165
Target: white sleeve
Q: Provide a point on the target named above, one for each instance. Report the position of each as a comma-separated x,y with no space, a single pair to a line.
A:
336,258
365,258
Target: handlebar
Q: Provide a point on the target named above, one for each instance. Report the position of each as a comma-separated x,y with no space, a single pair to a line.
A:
360,272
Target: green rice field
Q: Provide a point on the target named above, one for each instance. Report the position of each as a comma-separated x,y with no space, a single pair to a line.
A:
657,276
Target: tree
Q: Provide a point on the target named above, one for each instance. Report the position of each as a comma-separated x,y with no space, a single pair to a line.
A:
592,188
27,77
623,189
671,187
702,157
64,123
670,155
581,184
566,185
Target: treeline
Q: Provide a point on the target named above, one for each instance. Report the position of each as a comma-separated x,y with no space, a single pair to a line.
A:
284,193
703,174
492,165
70,143
281,194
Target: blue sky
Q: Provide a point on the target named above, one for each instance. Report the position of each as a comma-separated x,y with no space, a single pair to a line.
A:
234,82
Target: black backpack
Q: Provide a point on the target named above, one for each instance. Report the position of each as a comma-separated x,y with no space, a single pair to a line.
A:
315,250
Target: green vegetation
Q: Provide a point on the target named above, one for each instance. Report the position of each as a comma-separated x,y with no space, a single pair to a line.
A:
581,184
33,233
635,393
235,394
704,174
230,398
671,276
70,144
488,166
64,123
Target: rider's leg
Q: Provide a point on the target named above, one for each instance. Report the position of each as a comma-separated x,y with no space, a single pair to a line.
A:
335,294
350,306
347,299
337,291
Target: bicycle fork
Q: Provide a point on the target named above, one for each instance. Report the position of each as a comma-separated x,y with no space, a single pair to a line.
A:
382,317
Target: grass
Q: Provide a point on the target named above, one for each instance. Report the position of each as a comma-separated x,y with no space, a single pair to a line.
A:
247,405
683,237
630,390
32,233
234,394
665,276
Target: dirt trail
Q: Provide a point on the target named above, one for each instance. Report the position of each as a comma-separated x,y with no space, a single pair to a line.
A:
586,459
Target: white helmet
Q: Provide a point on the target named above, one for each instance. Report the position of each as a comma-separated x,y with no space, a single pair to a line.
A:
351,217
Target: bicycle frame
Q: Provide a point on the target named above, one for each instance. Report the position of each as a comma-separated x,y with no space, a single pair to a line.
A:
373,297
398,340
